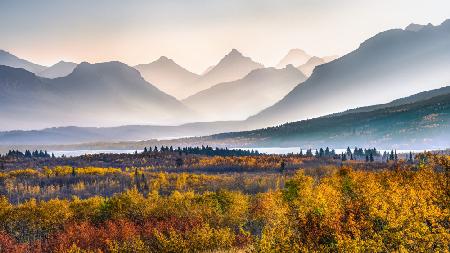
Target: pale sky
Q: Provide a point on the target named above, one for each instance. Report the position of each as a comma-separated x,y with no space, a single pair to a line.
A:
198,33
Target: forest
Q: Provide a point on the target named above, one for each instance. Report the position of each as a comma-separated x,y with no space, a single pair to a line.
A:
216,201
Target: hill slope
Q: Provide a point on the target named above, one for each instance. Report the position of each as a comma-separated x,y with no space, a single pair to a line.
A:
60,69
10,60
393,64
418,125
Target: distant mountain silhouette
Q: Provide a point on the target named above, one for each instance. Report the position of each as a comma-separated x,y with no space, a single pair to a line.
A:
392,64
10,60
423,124
309,66
330,58
239,99
168,76
232,67
60,69
295,57
208,69
105,94
416,27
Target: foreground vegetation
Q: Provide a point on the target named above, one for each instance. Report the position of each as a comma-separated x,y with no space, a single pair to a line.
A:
350,207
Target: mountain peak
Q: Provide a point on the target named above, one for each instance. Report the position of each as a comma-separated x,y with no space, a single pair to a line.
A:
417,27
164,59
234,53
110,69
295,57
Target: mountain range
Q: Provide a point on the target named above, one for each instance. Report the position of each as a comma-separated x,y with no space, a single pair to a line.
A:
8,59
390,65
393,64
60,69
103,94
77,135
238,99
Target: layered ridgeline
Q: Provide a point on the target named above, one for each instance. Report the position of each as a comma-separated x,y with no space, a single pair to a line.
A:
232,67
70,135
104,94
417,122
392,64
239,99
8,59
295,57
169,77
59,69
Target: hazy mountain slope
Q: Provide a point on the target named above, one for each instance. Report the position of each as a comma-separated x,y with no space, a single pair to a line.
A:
60,69
168,76
92,95
232,67
309,66
423,124
295,57
401,101
10,60
393,64
73,135
239,99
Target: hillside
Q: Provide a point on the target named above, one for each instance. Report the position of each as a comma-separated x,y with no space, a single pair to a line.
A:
422,124
8,59
391,65
60,69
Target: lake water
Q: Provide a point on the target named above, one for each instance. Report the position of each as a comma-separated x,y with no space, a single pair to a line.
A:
271,150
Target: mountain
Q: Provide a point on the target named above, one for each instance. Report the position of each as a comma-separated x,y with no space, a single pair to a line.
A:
60,69
295,57
104,94
73,134
424,95
393,64
208,69
309,66
168,76
239,99
416,27
420,121
232,67
424,124
10,60
330,58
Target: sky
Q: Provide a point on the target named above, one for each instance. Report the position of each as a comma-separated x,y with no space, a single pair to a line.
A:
198,33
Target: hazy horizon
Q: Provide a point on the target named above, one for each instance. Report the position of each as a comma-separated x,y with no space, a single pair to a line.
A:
198,34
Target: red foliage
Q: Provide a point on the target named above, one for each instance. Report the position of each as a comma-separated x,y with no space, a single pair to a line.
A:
10,245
